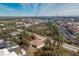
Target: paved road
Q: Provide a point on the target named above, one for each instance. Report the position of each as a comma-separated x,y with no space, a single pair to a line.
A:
64,45
70,47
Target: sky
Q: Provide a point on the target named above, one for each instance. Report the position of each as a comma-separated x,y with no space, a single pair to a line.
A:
39,9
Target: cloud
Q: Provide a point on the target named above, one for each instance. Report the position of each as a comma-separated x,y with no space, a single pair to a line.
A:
6,8
60,10
40,9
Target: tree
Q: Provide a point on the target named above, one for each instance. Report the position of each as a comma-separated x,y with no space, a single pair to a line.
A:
32,37
77,36
24,37
5,35
45,51
58,39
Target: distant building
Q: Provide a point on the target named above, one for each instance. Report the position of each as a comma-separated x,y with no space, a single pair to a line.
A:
73,26
20,24
27,25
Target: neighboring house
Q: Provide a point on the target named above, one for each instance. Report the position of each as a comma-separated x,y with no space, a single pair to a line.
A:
5,52
9,48
2,43
37,43
11,45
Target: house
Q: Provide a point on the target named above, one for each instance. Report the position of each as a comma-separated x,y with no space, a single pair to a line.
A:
20,24
4,28
11,45
11,48
27,25
2,43
37,43
14,33
42,38
1,24
5,52
20,30
8,48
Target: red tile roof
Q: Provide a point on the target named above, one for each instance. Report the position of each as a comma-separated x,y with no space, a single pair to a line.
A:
37,42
